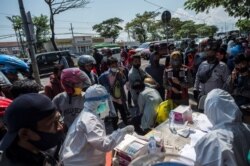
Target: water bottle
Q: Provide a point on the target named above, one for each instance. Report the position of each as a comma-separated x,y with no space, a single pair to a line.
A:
171,122
152,145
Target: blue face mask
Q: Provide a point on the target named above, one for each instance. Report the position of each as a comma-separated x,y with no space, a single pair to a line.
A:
102,108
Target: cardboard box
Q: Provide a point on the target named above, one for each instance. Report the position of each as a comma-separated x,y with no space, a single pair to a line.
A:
182,113
130,148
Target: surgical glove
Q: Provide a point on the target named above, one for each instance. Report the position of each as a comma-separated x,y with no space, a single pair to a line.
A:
128,129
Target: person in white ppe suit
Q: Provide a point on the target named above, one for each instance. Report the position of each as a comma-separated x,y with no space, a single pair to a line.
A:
86,141
228,143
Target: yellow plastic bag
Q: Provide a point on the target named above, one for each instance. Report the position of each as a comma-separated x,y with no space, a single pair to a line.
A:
163,110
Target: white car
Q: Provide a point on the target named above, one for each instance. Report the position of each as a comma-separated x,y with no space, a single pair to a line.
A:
143,46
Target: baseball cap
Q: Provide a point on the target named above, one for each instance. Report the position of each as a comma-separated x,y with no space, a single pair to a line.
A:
24,112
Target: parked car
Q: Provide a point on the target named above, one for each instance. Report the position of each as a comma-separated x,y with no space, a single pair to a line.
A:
144,48
46,61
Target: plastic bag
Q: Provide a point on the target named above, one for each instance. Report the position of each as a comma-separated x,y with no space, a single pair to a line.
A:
163,110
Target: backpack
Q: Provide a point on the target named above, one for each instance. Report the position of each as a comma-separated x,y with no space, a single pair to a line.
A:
204,76
163,110
116,90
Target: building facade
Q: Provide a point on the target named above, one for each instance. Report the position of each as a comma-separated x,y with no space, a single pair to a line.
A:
10,48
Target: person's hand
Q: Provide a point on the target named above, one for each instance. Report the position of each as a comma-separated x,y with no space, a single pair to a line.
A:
234,75
175,80
121,72
196,94
175,90
128,129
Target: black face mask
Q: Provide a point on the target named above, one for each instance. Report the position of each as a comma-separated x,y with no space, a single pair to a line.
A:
176,64
211,59
241,80
243,70
156,62
47,140
137,66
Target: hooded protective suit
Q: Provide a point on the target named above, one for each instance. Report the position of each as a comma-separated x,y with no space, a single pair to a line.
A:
86,141
228,142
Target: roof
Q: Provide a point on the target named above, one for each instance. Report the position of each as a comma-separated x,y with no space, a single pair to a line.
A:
8,44
102,45
44,53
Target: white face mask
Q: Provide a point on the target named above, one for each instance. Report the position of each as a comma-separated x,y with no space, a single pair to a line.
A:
114,70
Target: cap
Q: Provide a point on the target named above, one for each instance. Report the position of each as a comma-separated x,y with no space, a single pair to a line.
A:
24,112
136,56
212,45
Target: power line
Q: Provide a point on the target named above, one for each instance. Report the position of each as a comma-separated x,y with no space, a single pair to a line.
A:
6,14
74,27
172,10
74,21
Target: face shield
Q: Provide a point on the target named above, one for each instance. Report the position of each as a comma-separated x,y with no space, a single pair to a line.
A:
98,104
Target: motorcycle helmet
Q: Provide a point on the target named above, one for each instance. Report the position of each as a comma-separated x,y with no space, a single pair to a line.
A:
85,60
73,76
4,103
12,62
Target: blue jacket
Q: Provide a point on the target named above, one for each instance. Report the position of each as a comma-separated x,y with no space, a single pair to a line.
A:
104,81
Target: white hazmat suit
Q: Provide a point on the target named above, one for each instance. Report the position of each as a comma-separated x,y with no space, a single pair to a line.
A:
228,142
86,141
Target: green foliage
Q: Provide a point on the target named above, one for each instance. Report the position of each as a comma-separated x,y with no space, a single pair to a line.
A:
16,22
236,8
144,26
175,24
243,25
41,24
109,28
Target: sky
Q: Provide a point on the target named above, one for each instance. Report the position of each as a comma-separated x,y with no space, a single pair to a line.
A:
99,10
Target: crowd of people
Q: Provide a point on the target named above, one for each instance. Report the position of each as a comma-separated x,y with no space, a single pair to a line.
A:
65,124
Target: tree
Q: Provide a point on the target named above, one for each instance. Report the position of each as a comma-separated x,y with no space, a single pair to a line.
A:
236,8
188,28
18,28
204,31
109,28
243,25
213,29
142,25
175,24
60,6
41,24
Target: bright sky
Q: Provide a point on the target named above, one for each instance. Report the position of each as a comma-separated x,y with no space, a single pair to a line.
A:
100,10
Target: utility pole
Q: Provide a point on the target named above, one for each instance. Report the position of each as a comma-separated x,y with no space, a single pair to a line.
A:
29,40
73,39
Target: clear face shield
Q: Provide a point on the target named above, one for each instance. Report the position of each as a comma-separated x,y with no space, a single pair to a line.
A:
102,104
103,109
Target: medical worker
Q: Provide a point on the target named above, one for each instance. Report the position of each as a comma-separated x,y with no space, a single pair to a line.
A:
86,141
228,142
